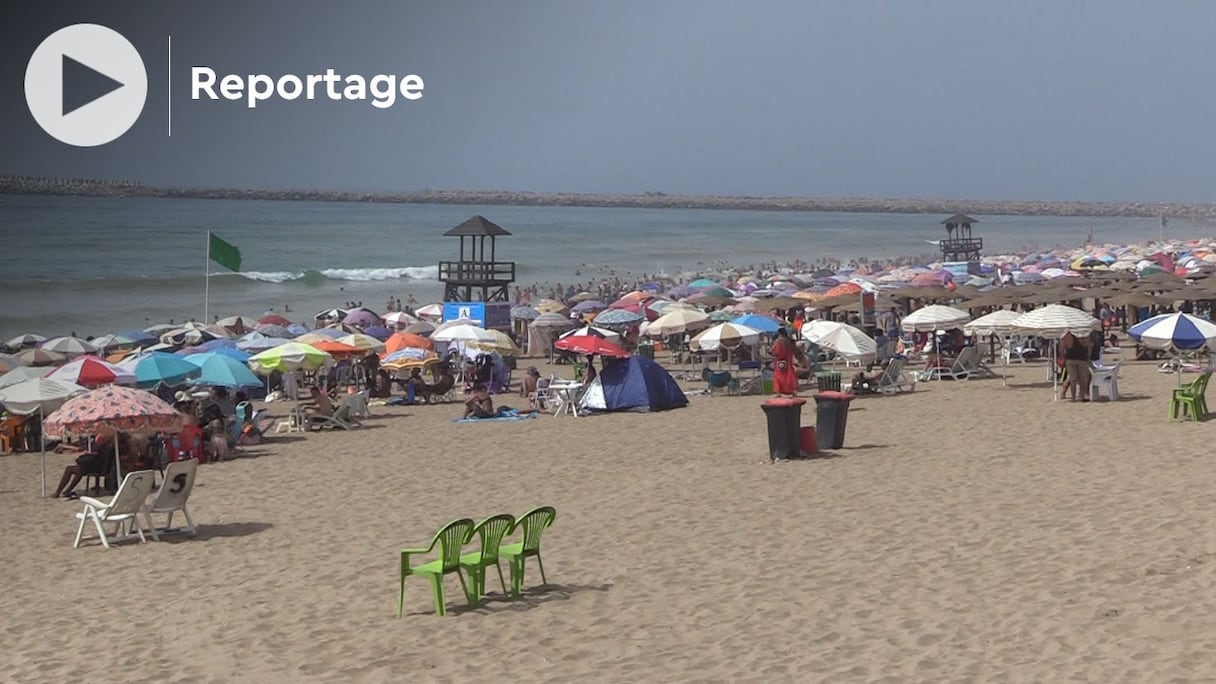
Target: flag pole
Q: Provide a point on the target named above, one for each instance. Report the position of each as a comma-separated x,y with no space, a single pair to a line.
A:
207,281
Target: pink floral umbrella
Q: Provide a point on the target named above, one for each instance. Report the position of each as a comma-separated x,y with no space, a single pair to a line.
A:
114,407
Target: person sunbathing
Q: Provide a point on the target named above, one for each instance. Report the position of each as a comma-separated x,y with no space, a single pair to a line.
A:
320,404
482,406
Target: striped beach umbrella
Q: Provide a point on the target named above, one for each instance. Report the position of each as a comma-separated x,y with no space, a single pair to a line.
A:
92,371
288,357
724,336
69,346
1174,332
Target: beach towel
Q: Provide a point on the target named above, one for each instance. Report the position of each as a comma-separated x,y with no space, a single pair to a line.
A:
522,416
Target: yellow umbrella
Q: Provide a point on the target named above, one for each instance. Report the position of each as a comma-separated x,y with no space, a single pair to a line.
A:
362,342
503,344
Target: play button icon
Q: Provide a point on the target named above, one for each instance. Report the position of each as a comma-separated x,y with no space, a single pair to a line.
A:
86,85
83,84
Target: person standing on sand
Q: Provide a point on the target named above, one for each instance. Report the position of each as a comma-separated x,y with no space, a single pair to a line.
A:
1076,366
785,377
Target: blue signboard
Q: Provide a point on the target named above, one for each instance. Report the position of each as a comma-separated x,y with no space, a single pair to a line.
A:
489,315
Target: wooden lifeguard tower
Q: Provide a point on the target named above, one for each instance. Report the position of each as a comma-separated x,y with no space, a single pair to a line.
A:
959,245
477,277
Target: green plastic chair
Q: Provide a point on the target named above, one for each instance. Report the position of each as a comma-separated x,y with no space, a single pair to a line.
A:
491,532
1190,398
534,523
450,539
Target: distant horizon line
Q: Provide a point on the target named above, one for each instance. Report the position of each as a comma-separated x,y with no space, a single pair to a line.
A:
80,187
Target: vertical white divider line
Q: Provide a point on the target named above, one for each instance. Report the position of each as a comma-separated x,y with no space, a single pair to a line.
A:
169,71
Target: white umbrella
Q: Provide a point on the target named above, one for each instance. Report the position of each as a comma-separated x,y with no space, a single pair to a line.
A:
847,341
26,340
725,336
399,318
610,335
23,373
462,332
430,311
677,321
999,322
1053,322
934,317
41,396
69,346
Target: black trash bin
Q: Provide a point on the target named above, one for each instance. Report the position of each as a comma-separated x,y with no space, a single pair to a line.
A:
831,417
784,425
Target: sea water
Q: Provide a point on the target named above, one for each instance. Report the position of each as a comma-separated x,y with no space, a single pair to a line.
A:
98,265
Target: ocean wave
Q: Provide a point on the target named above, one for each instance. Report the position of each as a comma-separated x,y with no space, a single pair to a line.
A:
312,277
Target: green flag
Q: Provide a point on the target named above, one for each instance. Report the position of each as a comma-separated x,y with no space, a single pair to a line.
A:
224,254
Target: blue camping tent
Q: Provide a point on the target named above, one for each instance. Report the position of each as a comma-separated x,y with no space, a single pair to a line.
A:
633,384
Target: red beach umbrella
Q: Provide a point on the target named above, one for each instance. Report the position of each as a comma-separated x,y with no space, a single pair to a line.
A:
90,371
590,344
273,319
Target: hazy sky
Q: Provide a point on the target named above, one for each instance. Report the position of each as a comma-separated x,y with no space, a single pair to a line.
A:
1101,100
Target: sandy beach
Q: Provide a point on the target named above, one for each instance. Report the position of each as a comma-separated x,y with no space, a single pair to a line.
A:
966,532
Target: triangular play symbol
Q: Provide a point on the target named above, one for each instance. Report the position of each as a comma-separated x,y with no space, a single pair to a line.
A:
83,84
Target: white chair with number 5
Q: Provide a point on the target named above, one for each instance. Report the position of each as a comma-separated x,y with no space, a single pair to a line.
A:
127,504
174,491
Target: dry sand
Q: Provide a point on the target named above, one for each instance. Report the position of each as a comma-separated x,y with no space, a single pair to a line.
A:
966,533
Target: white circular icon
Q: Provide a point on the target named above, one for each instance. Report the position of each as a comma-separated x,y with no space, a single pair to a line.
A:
85,85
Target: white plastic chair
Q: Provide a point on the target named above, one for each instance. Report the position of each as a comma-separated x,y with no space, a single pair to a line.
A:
1104,379
124,507
173,493
358,405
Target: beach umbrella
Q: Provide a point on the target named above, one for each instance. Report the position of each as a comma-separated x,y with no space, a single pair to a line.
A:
288,357
151,368
610,335
317,336
106,342
410,357
463,331
580,297
701,283
724,336
999,322
847,341
329,316
379,332
1174,332
293,330
218,370
718,291
362,318
431,311
722,316
116,408
1053,322
237,354
276,331
90,370
551,320
587,306
38,395
590,344
678,320
550,306
21,374
934,317
399,318
23,341
420,328
236,324
188,335
255,342
275,319
334,347
765,324
524,313
69,346
8,362
362,342
618,317
502,344
403,340
159,329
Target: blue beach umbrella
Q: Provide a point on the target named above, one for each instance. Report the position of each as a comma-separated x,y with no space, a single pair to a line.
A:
139,336
765,324
220,343
378,331
224,371
295,330
702,283
1174,332
151,368
618,317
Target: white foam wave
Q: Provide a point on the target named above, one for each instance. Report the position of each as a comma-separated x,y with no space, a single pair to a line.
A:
352,274
272,276
364,274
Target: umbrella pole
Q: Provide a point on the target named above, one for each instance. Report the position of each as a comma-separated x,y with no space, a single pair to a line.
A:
1055,377
117,457
42,446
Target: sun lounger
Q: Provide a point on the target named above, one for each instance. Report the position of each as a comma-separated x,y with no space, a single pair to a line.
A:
894,379
125,507
341,418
